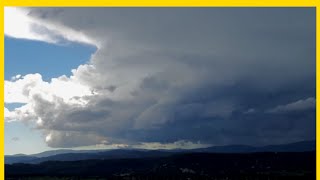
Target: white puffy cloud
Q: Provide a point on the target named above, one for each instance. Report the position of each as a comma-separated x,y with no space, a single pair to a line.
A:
23,89
24,113
8,115
32,90
163,75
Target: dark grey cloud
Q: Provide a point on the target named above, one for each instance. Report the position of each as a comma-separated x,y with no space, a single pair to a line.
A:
215,75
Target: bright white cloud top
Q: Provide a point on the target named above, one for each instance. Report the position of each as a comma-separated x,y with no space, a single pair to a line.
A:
19,24
169,75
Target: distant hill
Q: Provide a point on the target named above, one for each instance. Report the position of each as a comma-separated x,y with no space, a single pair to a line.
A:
11,159
111,154
74,155
85,155
62,151
292,147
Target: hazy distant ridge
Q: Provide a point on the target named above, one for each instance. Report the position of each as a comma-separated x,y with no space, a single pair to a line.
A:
74,155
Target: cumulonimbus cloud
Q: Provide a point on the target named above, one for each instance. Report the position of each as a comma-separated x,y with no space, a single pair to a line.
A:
171,75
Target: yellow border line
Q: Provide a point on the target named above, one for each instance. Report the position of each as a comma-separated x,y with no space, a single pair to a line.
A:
179,3
317,91
2,90
159,3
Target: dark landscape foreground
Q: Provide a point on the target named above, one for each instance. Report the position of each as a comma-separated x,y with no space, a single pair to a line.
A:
237,166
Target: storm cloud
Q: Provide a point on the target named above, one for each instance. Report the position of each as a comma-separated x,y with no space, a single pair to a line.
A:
167,75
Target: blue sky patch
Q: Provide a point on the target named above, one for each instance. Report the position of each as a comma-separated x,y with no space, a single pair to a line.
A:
50,60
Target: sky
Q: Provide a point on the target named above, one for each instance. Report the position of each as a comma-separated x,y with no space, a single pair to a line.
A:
90,78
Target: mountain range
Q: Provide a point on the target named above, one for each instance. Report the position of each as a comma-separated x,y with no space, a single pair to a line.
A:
75,155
